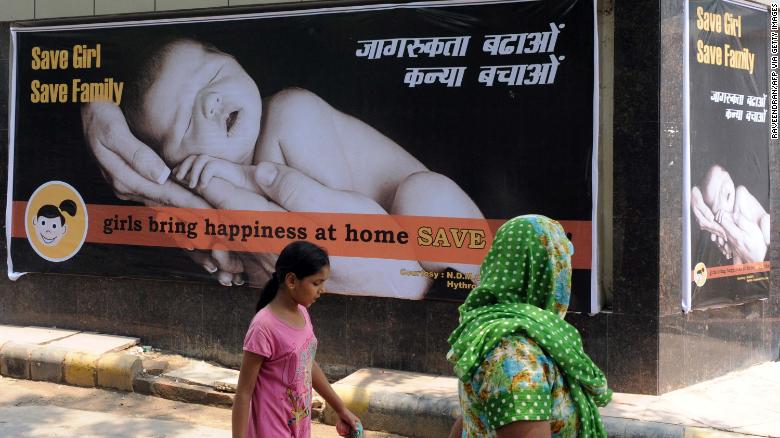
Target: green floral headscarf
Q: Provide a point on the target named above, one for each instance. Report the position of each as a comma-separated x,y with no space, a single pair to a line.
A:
524,289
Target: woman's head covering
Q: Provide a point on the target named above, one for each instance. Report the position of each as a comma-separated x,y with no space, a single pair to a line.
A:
529,262
524,289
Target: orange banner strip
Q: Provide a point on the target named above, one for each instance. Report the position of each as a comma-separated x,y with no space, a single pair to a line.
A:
435,239
734,270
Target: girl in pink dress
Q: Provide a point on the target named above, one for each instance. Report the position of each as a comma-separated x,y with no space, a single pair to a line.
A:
273,396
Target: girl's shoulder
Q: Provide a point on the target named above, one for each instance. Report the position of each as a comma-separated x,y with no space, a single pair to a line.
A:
262,317
305,312
266,320
261,322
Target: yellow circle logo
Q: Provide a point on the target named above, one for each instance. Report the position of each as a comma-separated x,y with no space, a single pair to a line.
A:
700,274
56,221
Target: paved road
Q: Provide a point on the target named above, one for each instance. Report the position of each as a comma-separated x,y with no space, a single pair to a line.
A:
38,409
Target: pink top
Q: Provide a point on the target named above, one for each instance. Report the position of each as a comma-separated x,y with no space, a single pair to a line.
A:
281,401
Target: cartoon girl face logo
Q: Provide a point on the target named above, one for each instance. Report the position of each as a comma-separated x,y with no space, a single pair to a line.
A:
700,274
56,221
50,223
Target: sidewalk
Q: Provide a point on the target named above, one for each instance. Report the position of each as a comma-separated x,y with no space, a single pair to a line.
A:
409,404
61,422
744,402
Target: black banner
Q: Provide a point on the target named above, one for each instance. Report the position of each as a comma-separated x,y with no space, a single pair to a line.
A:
729,153
397,136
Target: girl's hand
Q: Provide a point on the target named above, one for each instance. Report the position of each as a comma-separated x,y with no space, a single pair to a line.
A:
347,423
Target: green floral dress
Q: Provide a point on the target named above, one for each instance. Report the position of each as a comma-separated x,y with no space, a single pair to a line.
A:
517,382
515,356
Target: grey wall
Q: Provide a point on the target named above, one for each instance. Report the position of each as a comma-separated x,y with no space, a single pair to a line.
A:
13,10
209,321
702,344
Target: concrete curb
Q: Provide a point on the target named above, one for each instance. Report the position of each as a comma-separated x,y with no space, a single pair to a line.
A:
57,365
47,364
15,360
629,428
624,427
117,371
425,406
80,369
172,389
114,370
411,415
703,432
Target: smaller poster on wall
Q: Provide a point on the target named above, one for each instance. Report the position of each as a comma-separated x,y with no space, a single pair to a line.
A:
727,155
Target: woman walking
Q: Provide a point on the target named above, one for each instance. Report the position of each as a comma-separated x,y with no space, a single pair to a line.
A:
522,368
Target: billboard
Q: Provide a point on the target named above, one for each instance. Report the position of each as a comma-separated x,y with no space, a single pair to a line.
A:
397,136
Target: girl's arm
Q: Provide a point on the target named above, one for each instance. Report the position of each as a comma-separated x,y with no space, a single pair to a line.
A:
250,366
323,388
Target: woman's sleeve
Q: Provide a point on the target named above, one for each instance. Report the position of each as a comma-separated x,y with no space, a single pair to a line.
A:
515,385
258,341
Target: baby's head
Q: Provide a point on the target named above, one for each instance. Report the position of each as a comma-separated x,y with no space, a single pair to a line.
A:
189,98
718,190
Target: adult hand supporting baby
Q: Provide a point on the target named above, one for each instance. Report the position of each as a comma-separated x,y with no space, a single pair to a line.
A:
706,220
137,173
294,191
134,170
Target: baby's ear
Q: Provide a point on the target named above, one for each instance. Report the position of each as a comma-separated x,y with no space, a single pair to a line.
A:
35,221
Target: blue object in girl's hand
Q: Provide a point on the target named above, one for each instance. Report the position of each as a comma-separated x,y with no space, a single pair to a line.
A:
357,432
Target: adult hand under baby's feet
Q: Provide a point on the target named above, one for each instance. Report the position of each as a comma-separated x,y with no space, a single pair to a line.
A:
225,267
722,244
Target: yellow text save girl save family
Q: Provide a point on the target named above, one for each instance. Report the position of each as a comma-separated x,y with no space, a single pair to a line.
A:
80,56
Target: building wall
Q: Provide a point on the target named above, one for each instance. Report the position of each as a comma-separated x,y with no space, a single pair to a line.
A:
14,10
643,342
204,320
702,344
